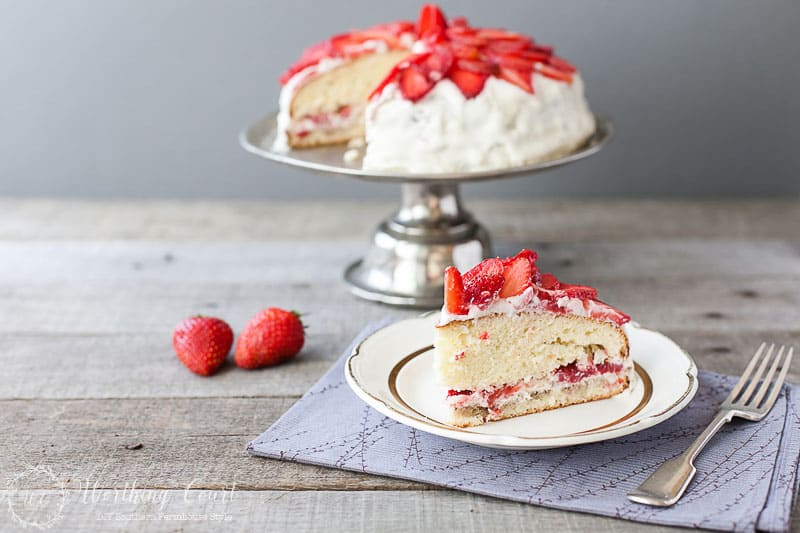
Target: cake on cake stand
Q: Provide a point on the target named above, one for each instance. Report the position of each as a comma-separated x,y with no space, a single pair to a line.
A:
429,232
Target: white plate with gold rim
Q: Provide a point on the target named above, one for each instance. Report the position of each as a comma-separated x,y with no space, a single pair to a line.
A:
392,370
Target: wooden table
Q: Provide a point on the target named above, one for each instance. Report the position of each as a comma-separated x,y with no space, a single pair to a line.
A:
92,390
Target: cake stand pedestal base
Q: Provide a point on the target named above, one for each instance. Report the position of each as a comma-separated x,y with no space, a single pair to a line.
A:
411,249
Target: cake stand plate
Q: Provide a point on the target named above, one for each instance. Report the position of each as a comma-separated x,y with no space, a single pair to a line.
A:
429,232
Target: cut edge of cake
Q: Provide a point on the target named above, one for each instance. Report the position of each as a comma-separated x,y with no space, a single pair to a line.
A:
542,345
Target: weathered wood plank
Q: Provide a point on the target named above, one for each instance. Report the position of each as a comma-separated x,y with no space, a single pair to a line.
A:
701,303
295,264
143,366
542,220
185,442
312,512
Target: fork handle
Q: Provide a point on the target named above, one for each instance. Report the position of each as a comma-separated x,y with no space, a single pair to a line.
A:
667,484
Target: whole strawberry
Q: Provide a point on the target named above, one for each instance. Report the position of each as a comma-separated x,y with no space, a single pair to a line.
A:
270,337
202,343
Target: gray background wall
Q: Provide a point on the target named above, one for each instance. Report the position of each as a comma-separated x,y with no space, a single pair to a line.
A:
145,98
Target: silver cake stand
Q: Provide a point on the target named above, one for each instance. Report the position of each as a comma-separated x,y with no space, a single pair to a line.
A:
429,232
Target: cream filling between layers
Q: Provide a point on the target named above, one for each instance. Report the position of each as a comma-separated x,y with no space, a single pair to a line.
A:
526,301
503,126
495,398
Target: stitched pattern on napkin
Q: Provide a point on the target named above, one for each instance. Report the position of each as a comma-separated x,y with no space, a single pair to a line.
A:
746,476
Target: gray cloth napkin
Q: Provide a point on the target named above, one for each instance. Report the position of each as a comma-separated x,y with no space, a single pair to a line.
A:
746,480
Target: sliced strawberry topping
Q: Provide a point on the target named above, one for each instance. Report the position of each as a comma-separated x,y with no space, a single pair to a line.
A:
414,84
519,78
431,24
517,276
470,83
510,60
510,56
554,73
474,65
561,64
438,63
467,39
483,282
508,45
454,298
503,278
549,282
603,311
531,56
579,291
466,52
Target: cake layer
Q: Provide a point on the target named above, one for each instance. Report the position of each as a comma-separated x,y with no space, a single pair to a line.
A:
489,351
324,104
503,126
529,399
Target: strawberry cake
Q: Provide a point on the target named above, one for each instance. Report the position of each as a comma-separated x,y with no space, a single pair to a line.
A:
513,341
435,96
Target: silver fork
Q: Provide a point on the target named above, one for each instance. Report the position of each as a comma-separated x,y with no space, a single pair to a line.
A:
667,484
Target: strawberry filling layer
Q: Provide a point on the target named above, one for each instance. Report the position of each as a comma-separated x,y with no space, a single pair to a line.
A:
342,117
564,376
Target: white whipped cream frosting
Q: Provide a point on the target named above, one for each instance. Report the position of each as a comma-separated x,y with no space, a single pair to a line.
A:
502,126
526,301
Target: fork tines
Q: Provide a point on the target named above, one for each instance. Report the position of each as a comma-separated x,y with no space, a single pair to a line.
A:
753,396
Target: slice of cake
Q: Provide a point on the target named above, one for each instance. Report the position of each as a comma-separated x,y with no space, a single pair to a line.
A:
513,341
435,96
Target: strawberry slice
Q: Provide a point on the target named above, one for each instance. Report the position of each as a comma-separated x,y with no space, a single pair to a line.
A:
603,311
456,29
454,298
579,291
465,52
414,84
549,282
431,23
460,22
531,55
517,276
475,65
544,48
467,39
470,83
508,45
518,78
508,60
483,282
554,73
561,64
439,61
